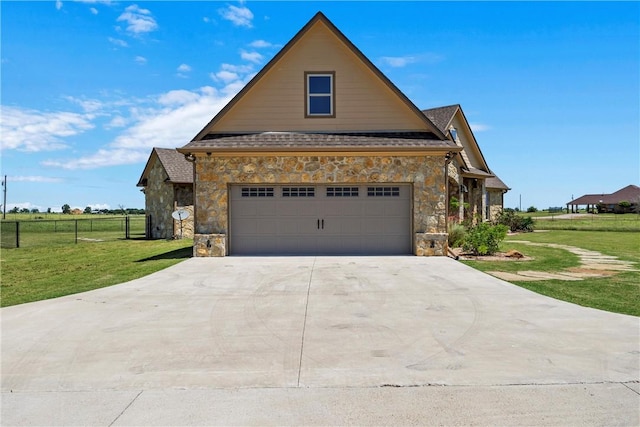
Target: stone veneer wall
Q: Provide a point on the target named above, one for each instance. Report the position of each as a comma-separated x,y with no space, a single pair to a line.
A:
215,174
496,200
187,224
159,202
162,199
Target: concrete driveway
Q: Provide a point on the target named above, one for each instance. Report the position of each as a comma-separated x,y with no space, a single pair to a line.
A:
317,340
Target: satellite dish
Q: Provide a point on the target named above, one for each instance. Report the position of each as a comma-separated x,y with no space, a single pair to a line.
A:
180,214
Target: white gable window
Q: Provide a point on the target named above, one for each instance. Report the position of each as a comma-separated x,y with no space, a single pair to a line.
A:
320,94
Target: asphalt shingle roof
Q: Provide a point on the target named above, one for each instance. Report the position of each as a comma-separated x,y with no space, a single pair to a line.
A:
441,116
630,193
180,171
496,183
302,140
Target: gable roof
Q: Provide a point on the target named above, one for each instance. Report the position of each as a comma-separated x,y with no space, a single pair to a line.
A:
321,18
443,117
630,193
179,170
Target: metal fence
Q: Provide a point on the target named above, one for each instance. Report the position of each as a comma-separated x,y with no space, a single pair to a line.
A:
21,234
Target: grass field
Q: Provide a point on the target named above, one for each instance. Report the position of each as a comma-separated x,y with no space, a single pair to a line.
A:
619,293
63,229
599,222
32,274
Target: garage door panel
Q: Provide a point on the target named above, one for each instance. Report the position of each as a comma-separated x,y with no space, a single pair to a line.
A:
319,219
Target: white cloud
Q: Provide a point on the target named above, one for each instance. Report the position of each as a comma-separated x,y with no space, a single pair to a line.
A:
118,42
88,105
24,205
102,158
32,130
242,69
93,10
184,68
254,57
99,206
58,4
225,76
170,120
398,61
117,122
259,44
239,16
138,20
140,59
177,97
33,179
403,61
479,127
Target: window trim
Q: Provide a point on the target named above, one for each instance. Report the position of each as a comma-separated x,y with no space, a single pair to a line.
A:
307,95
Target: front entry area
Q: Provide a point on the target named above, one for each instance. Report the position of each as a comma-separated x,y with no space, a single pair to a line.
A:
320,219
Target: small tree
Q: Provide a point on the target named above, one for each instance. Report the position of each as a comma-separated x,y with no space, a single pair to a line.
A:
532,209
35,210
515,222
624,206
484,239
87,210
66,209
48,210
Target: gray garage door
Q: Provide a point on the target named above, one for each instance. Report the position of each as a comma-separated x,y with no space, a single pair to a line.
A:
320,219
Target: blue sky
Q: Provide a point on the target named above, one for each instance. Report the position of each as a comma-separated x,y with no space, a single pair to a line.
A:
89,87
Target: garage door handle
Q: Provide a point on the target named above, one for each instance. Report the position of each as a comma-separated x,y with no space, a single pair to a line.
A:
318,224
323,224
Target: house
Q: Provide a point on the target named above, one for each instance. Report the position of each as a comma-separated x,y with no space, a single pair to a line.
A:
477,192
320,153
626,199
167,183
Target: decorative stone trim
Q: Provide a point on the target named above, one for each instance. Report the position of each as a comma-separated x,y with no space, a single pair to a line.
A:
425,174
430,244
209,245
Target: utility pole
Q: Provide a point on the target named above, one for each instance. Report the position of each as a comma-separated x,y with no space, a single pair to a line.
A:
4,204
520,203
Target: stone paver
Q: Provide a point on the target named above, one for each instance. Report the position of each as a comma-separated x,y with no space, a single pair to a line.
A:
592,264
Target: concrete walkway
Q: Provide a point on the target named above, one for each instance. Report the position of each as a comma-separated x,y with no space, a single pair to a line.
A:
592,264
317,341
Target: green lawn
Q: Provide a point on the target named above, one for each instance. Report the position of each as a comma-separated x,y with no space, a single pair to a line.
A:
37,273
619,293
599,222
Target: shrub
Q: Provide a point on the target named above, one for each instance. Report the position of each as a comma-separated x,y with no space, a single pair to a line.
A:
457,233
514,221
532,209
484,239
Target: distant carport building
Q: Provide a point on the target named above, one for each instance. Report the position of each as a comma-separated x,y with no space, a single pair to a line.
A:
609,202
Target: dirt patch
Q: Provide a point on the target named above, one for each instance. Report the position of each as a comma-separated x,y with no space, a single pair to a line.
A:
588,272
498,256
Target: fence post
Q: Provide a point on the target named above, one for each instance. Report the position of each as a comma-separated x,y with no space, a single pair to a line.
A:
76,231
126,227
17,234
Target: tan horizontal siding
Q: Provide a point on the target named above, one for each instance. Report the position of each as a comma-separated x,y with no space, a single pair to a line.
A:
276,102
